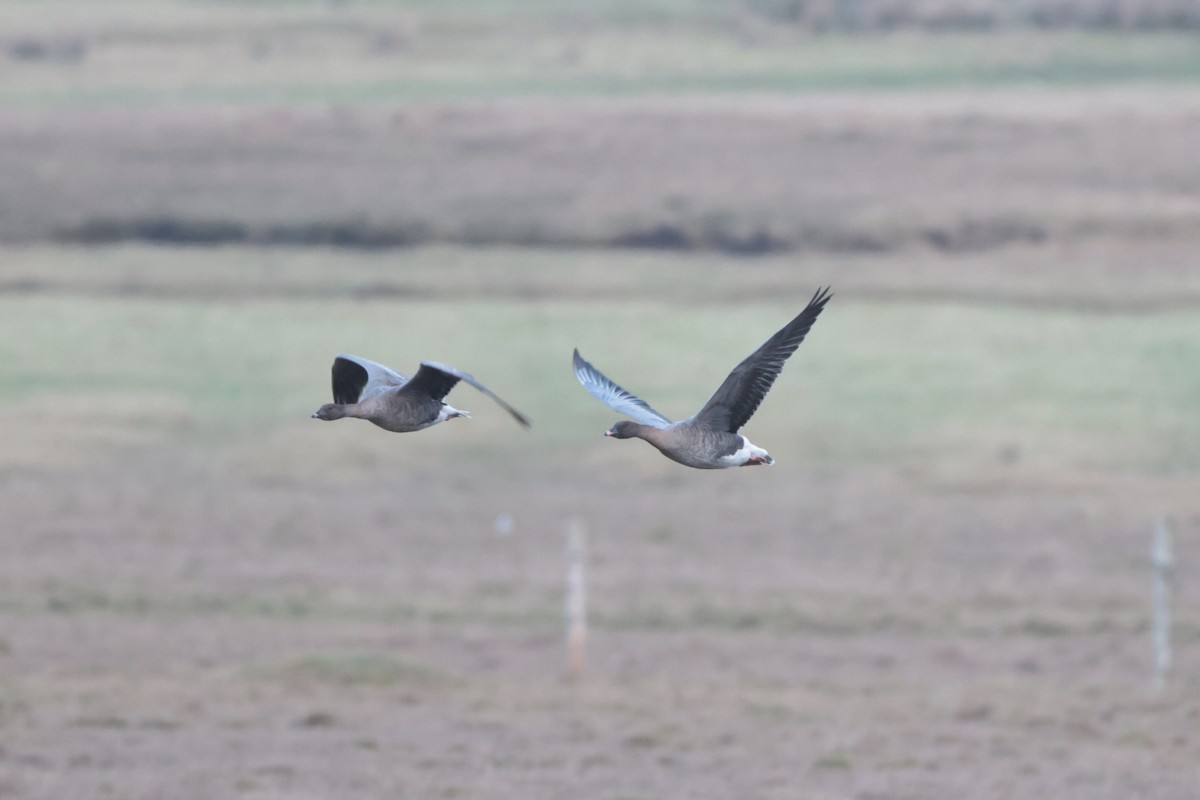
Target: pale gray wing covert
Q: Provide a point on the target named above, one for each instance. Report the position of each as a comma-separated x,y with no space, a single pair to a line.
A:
355,378
606,391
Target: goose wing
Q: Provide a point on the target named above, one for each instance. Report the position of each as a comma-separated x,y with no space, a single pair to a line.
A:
355,378
606,391
736,400
436,380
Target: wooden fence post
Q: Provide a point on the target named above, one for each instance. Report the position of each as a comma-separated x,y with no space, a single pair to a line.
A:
1161,559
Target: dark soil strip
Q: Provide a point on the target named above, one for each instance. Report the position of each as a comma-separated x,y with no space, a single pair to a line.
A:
964,236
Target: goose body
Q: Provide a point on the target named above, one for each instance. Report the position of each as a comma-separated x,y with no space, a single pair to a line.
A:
378,394
709,439
695,447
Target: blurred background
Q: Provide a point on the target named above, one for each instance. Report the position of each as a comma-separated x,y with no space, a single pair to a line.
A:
941,590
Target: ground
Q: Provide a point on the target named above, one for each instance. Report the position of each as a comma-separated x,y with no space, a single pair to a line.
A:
942,588
936,592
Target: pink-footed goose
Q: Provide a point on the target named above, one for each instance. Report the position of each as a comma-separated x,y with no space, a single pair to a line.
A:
373,392
709,439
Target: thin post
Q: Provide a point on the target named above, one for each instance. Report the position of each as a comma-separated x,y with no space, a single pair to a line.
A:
1161,559
576,605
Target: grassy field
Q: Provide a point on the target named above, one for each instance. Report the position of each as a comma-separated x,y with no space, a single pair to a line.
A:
398,124
941,590
850,173
944,576
130,54
896,377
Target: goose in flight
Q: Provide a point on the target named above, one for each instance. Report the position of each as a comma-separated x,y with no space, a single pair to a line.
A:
373,392
708,439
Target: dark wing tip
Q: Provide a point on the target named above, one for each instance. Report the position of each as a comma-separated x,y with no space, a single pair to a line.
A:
453,375
740,395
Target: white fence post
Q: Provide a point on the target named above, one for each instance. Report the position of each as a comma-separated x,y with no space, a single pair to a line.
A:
1161,559
576,605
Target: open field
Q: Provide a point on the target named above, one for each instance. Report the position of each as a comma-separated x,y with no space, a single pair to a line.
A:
853,173
396,124
941,590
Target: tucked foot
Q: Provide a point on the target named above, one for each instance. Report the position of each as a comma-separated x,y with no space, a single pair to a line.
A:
449,412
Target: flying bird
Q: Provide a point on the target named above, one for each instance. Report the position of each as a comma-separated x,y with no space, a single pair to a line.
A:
709,439
373,392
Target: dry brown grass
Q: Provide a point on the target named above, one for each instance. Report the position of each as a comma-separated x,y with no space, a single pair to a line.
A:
517,126
863,174
941,589
174,624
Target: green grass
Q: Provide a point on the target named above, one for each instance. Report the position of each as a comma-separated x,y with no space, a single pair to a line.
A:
297,55
797,614
358,668
833,761
876,382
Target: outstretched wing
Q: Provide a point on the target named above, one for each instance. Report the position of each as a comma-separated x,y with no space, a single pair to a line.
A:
355,378
613,396
436,380
736,400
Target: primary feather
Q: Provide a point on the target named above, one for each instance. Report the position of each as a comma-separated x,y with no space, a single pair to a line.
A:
436,380
739,396
620,400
